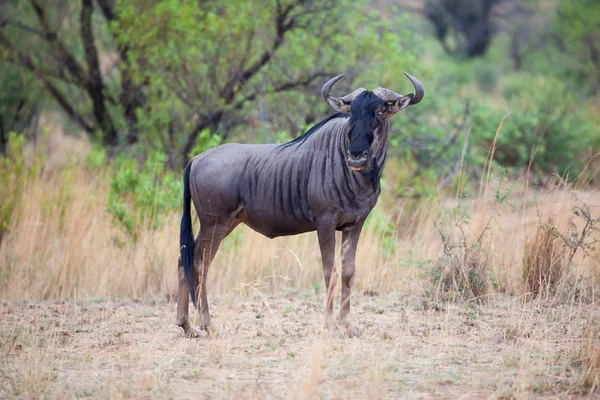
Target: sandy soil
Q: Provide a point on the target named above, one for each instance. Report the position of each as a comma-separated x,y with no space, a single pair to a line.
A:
274,346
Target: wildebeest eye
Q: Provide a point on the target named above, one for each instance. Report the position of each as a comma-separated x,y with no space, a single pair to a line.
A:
379,112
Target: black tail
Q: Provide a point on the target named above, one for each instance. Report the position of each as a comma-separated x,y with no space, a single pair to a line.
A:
186,238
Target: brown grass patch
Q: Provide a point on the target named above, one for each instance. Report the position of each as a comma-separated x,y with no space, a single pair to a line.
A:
590,355
124,348
544,261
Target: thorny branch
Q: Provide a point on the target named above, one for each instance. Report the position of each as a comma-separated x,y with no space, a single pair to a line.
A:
575,239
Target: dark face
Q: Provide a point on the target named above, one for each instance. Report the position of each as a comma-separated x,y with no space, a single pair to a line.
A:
367,114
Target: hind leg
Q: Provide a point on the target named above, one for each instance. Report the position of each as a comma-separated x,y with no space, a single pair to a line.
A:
183,299
212,233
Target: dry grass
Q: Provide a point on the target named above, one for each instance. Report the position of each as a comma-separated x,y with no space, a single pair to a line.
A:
266,297
64,245
590,354
461,275
544,261
128,349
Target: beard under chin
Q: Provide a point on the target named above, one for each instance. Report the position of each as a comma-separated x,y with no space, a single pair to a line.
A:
371,172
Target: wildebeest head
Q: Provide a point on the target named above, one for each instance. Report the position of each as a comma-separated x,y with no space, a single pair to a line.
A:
368,111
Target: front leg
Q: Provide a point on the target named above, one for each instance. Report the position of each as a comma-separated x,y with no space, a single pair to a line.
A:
326,234
349,243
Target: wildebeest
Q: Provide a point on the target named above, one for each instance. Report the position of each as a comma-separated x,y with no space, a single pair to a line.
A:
325,180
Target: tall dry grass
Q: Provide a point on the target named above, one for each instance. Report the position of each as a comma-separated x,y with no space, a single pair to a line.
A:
64,245
544,260
590,354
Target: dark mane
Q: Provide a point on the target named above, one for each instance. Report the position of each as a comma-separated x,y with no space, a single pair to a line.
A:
302,138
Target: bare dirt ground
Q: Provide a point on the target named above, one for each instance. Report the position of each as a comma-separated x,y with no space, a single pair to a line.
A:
274,346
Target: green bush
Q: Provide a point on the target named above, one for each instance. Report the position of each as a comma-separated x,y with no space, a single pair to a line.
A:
15,170
545,117
142,195
21,100
486,75
96,158
379,222
204,141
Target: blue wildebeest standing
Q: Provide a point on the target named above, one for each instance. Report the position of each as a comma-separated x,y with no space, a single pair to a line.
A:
325,180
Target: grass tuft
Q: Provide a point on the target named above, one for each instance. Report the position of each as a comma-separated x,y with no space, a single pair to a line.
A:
544,261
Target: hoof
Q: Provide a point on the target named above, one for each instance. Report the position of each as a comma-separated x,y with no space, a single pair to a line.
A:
194,334
210,331
331,325
352,331
189,332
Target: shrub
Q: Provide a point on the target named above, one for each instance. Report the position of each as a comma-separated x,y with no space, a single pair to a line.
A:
545,116
463,270
14,173
21,100
204,141
380,223
550,254
140,196
96,158
486,75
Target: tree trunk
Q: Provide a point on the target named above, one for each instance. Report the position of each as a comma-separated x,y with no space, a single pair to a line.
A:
2,137
131,99
206,122
94,84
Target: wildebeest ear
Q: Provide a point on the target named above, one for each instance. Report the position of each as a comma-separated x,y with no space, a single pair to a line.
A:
400,104
341,104
338,104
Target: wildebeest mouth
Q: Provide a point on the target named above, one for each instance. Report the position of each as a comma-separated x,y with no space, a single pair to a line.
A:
357,163
358,169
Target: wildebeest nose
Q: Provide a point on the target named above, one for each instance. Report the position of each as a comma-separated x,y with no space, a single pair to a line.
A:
359,155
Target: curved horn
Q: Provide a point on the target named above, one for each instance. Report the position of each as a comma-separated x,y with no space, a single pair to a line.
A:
341,104
419,90
327,87
398,101
388,95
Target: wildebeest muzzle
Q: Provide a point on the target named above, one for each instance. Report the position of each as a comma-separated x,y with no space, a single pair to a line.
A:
358,161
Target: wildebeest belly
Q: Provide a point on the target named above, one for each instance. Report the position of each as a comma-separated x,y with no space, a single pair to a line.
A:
274,224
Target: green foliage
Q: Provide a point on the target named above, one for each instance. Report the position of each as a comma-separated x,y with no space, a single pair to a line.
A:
230,61
59,49
577,25
546,119
20,101
204,141
486,76
379,222
15,171
96,158
141,196
182,77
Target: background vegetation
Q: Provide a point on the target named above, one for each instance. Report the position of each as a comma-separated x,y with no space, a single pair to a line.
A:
139,77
